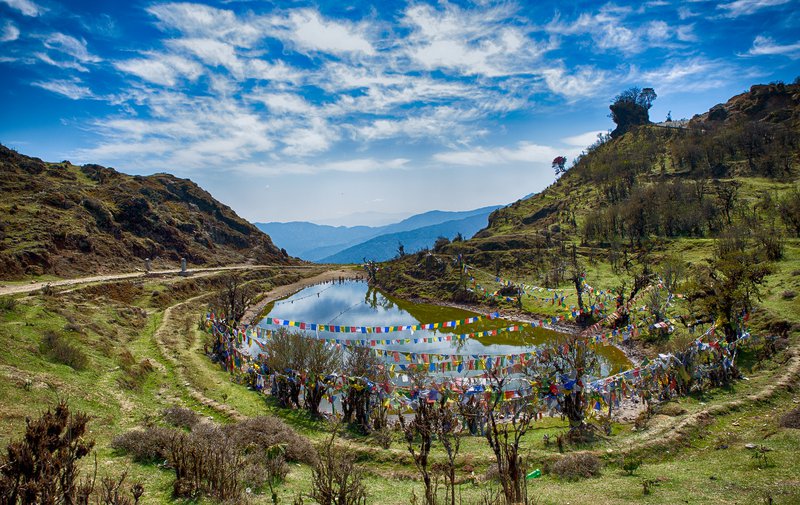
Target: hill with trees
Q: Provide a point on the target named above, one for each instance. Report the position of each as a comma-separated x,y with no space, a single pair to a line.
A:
718,195
67,220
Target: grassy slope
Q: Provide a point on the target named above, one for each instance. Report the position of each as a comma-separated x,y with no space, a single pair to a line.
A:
685,465
696,472
66,220
683,453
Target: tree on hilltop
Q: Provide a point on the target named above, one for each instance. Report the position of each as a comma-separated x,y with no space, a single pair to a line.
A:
630,108
559,165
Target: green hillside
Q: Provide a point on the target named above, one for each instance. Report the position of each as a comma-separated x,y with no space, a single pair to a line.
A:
653,194
65,220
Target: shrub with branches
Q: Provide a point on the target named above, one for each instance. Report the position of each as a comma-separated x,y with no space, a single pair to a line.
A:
42,467
577,465
56,347
504,439
336,479
291,354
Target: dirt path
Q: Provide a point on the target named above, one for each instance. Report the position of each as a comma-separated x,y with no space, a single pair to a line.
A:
170,333
26,288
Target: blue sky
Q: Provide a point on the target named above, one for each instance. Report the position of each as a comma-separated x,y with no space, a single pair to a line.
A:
317,110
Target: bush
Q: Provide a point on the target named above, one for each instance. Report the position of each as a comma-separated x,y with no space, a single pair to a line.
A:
8,303
578,465
180,417
42,467
149,445
133,374
671,409
265,432
336,479
631,464
218,461
791,419
57,348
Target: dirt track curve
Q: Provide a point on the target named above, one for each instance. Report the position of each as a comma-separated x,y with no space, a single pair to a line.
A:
27,288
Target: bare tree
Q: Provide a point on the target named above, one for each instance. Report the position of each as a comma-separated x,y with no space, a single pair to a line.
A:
336,479
293,356
448,433
234,297
504,438
419,434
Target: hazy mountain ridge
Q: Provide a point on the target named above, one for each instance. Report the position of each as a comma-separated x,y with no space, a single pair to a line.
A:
385,246
67,220
315,242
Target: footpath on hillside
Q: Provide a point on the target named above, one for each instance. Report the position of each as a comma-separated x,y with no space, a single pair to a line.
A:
35,286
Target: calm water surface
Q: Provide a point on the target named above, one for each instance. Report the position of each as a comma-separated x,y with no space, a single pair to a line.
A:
353,303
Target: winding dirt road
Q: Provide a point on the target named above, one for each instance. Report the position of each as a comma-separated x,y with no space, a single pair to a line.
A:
27,288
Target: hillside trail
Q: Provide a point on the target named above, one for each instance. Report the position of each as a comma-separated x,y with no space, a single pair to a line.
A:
35,286
170,339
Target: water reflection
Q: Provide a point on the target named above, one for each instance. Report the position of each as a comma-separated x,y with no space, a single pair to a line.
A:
355,303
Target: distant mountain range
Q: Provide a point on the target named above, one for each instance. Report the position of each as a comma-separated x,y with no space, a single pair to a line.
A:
351,244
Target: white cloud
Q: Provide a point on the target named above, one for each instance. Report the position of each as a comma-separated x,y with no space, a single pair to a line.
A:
74,65
161,69
9,33
583,82
309,31
203,21
285,103
685,33
272,71
658,31
443,123
766,46
185,134
315,136
691,74
356,166
69,88
27,7
746,7
211,52
483,41
583,139
524,152
70,46
608,31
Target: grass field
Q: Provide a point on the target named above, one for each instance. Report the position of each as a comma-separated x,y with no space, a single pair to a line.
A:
692,452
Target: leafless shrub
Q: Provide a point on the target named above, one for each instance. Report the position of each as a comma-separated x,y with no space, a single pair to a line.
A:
133,374
8,303
180,416
145,445
791,419
578,465
114,492
59,349
42,467
336,478
268,431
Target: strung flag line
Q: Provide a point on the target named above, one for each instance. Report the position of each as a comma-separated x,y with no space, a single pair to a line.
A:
339,328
